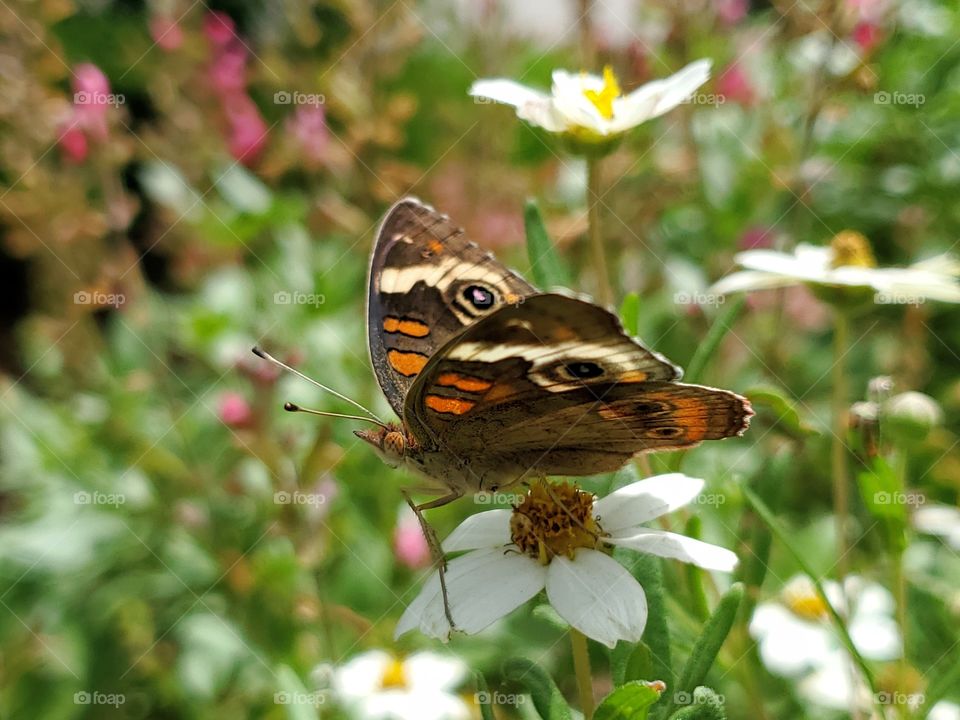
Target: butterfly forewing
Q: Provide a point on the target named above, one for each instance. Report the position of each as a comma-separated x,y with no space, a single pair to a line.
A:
427,283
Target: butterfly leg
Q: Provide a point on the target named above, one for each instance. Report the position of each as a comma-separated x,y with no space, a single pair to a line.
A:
436,549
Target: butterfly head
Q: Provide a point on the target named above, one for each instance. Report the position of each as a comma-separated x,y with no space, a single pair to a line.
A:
390,442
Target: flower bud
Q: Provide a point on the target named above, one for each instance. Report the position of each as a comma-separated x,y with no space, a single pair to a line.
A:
910,416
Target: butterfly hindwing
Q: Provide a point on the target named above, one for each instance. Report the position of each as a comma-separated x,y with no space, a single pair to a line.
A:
554,386
427,283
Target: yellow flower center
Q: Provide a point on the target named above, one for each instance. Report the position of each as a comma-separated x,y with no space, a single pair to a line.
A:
851,248
554,520
805,603
603,99
393,675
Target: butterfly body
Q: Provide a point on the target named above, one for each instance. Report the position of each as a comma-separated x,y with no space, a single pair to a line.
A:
496,382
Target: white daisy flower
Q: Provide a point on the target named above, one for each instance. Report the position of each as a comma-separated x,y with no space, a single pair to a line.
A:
590,108
554,540
847,263
796,638
940,520
376,685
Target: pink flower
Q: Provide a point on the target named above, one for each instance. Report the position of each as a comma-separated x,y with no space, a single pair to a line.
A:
756,237
308,126
248,130
219,28
734,84
73,143
166,32
409,545
228,72
731,12
91,100
234,410
867,35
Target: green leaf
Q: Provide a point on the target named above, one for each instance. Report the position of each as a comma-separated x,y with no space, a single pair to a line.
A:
484,701
694,575
630,314
721,326
784,409
707,646
293,696
629,702
704,704
545,265
547,699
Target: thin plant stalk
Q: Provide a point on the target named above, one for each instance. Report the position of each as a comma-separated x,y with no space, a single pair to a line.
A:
604,291
581,666
899,583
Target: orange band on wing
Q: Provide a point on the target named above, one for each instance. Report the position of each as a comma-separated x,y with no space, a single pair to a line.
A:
464,382
406,363
454,406
410,328
633,376
436,247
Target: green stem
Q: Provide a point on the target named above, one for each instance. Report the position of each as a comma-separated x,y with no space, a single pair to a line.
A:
581,665
899,582
838,459
840,399
604,292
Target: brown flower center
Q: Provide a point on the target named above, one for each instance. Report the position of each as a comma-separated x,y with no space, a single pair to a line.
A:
554,520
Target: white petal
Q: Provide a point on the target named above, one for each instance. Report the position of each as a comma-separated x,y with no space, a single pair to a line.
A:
781,263
835,683
483,586
401,704
678,547
597,596
432,671
506,91
645,500
749,280
944,710
488,529
788,644
941,520
533,106
660,96
360,676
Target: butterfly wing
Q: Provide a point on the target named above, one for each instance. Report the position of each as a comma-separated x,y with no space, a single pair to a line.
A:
427,283
554,386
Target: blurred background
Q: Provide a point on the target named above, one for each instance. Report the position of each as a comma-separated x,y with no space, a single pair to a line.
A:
180,181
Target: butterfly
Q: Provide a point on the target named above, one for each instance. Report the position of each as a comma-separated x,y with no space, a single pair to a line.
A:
497,382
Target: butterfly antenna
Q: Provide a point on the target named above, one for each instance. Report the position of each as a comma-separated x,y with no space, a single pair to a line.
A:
291,407
270,358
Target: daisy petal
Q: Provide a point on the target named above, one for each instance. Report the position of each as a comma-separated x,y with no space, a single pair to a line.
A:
506,91
431,671
660,96
678,547
597,596
645,500
788,644
484,530
483,586
748,280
